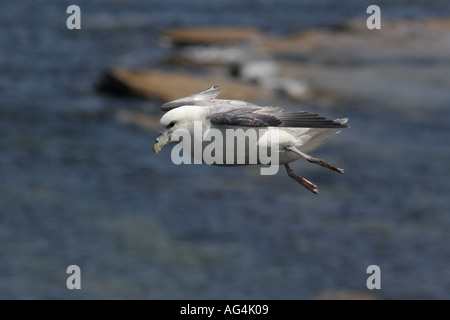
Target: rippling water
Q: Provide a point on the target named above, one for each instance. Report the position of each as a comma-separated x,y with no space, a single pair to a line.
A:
80,188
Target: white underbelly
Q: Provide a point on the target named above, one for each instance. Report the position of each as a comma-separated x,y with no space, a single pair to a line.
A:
245,147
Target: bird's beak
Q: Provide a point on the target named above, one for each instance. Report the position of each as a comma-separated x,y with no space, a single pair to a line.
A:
161,141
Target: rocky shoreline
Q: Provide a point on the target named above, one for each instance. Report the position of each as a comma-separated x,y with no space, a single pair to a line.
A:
346,62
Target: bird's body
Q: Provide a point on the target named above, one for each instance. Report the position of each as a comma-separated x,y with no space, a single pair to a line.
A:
235,132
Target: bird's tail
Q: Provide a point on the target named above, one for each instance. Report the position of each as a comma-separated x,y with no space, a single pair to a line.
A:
316,137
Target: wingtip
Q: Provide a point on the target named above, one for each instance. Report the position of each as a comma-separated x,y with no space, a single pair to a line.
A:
207,94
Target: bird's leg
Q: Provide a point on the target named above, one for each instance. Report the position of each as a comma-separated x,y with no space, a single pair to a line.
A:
307,184
320,162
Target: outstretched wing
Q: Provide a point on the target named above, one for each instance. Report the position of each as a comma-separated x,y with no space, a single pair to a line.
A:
266,117
206,98
193,99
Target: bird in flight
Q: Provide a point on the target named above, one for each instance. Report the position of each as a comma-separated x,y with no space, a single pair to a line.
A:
296,133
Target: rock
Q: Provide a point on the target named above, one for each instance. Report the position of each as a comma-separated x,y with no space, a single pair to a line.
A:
209,35
442,24
347,64
396,66
211,56
266,73
294,43
168,86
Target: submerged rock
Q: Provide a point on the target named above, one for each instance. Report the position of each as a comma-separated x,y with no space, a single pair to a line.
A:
402,65
344,294
211,56
167,86
209,35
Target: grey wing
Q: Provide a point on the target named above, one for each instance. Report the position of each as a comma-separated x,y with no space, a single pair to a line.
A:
260,117
194,99
304,119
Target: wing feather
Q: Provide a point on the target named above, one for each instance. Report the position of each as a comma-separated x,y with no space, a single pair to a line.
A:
194,99
259,117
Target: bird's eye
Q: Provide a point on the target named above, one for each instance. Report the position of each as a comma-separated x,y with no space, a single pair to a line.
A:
170,125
